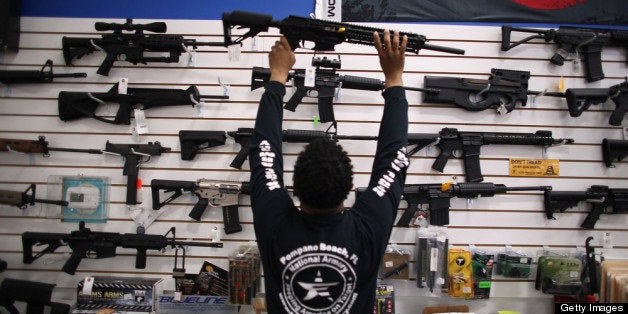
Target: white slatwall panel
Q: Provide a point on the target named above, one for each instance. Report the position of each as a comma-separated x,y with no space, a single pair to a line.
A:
27,111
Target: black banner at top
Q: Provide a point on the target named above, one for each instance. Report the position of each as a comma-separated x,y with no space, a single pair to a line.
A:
608,12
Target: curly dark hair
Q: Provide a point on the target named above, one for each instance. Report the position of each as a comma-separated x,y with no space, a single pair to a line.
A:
323,175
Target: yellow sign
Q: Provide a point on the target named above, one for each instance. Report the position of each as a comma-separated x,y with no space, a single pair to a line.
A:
534,167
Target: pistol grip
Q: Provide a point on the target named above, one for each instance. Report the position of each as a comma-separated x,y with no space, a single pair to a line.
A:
72,263
295,99
408,214
594,215
106,64
199,209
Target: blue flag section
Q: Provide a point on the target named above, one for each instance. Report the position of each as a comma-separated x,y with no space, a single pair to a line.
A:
608,12
162,9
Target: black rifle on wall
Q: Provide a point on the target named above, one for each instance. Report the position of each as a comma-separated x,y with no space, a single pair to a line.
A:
324,34
94,244
212,193
602,199
326,80
587,43
32,76
133,155
130,47
76,105
243,136
580,99
438,198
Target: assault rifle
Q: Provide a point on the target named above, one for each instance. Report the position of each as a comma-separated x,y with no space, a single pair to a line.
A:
193,141
503,91
580,99
210,193
324,34
22,199
243,136
469,143
93,244
326,80
586,43
30,76
130,47
133,154
36,295
602,199
75,105
438,197
614,150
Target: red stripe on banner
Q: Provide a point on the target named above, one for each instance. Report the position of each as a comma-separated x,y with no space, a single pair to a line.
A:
549,4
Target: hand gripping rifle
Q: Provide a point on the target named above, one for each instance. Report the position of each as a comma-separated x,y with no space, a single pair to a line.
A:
438,198
613,150
601,197
503,91
29,76
326,80
324,34
470,143
580,99
243,136
36,295
22,199
192,141
76,105
93,244
133,154
210,193
130,47
586,43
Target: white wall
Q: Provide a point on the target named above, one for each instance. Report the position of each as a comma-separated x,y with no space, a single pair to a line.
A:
491,223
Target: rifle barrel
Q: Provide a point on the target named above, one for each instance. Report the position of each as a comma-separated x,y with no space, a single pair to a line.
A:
53,202
203,244
528,188
70,75
214,96
75,150
205,43
356,137
550,94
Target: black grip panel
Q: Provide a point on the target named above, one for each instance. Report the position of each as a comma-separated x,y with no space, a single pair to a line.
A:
302,136
140,259
362,83
199,209
408,214
593,63
231,219
506,29
594,215
72,263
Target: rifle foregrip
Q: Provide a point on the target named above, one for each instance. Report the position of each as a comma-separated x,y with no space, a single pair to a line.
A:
231,219
199,209
362,83
72,263
302,136
295,99
506,29
594,215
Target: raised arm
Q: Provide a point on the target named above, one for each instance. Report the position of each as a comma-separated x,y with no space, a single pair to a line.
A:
268,196
389,167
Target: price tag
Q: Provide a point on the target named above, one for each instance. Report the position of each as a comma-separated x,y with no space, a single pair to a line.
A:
88,284
310,77
234,53
534,167
123,85
141,127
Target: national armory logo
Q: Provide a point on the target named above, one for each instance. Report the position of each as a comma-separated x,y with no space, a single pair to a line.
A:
318,283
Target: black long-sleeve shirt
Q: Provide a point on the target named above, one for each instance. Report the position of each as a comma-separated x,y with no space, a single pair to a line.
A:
317,263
